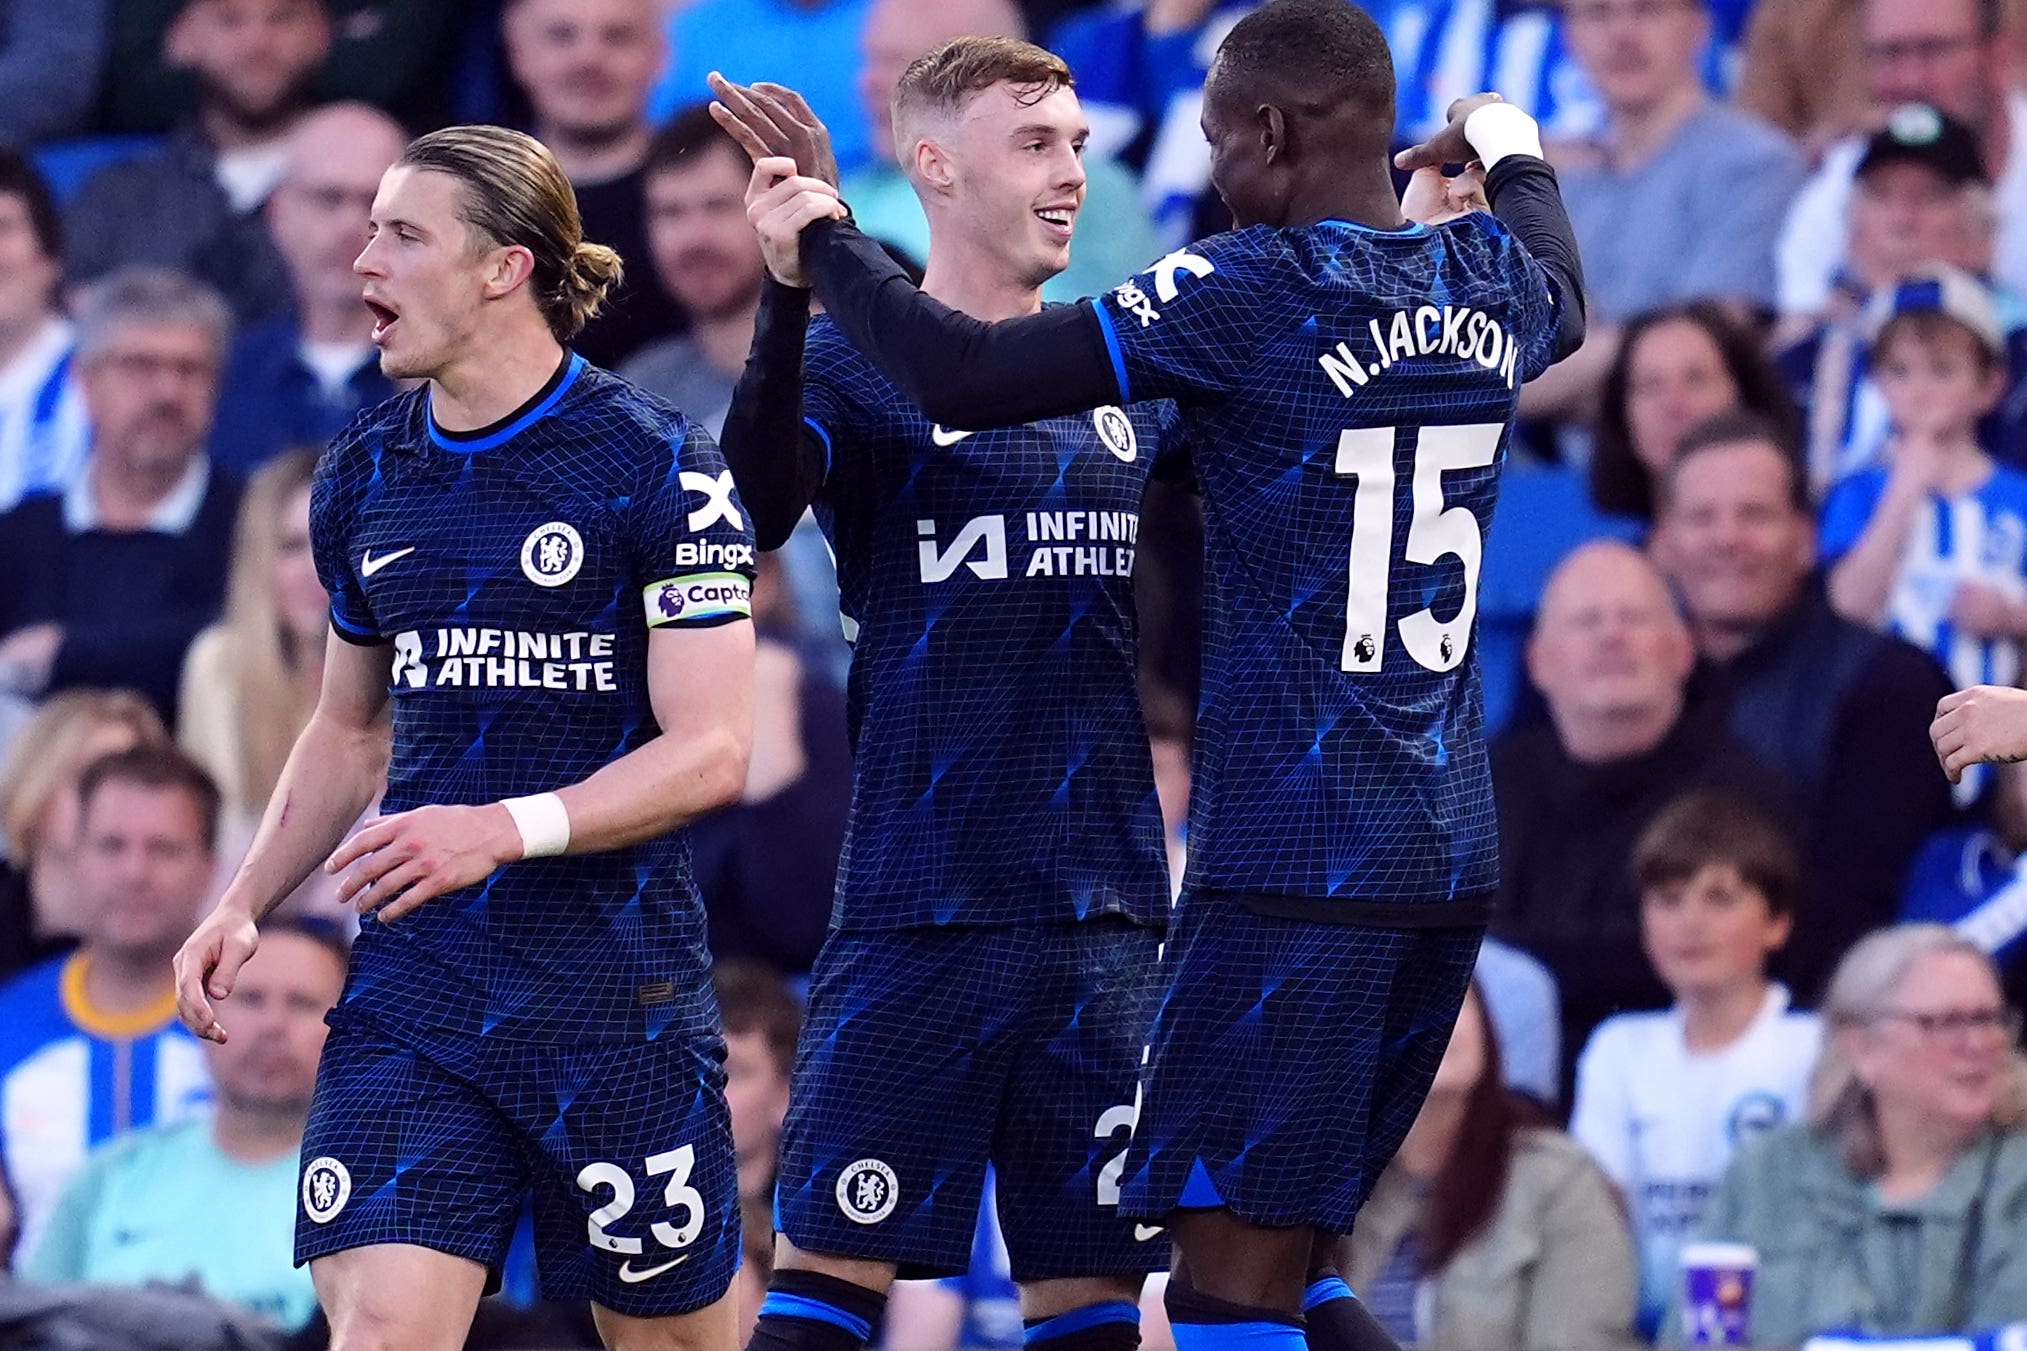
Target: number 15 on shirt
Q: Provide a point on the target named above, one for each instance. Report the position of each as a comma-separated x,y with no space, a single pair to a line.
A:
1435,532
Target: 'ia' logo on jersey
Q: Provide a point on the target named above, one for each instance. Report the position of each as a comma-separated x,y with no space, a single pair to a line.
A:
939,565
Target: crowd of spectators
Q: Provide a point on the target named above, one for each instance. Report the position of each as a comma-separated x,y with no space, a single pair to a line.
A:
1751,946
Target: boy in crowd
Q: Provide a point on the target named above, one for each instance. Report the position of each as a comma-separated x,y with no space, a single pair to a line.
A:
1929,544
1664,1100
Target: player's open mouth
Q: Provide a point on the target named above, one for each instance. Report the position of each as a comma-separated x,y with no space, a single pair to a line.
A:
384,318
1058,218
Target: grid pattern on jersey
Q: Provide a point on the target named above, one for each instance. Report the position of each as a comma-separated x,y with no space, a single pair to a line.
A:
1312,779
932,1051
441,1142
1288,1060
509,580
1001,767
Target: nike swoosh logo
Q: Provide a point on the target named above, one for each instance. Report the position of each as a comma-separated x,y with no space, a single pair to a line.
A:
632,1277
370,565
1144,1232
943,438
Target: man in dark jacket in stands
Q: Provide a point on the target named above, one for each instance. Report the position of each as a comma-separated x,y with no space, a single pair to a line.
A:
1627,732
106,583
196,204
1841,709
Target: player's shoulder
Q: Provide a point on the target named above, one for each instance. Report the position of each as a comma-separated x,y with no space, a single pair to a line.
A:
619,417
401,419
607,435
829,356
1228,281
1234,255
1479,240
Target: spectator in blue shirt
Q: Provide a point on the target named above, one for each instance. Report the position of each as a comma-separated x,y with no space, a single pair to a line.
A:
145,1208
1931,545
296,379
1676,197
1680,196
89,1044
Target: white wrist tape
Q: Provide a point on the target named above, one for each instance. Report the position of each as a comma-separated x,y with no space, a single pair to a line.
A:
1500,129
544,823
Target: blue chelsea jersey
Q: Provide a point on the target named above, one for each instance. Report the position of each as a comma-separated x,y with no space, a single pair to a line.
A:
517,573
1348,394
1002,772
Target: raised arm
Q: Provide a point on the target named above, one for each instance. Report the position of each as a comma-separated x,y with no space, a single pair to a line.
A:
776,458
958,370
1523,193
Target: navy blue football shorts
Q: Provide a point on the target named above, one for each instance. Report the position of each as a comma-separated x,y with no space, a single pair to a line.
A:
929,1052
438,1140
1289,1058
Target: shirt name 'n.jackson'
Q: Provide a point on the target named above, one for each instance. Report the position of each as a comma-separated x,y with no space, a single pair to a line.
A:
1428,330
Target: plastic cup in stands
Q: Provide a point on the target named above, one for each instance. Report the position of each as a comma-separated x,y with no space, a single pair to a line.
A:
1717,1293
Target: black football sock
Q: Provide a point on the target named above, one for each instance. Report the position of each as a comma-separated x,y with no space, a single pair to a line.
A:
1111,1325
809,1311
1338,1320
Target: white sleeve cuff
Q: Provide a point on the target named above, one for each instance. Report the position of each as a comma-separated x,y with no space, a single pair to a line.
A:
1501,129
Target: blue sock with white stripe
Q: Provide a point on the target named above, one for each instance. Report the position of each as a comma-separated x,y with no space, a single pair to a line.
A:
1113,1325
1338,1319
809,1311
1205,1323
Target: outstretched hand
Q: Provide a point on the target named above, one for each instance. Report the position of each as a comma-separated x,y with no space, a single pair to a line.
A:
1447,146
773,120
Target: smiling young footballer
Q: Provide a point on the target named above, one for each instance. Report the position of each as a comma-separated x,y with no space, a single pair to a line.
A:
986,989
545,574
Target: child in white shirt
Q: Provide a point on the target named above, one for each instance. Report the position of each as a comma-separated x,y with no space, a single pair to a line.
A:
1663,1100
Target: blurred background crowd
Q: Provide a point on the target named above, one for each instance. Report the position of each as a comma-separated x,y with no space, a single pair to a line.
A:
1755,963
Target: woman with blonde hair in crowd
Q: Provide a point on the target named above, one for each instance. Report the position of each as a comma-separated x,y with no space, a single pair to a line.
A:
1900,1208
39,811
251,679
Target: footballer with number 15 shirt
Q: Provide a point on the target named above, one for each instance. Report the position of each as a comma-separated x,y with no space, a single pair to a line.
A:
544,576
